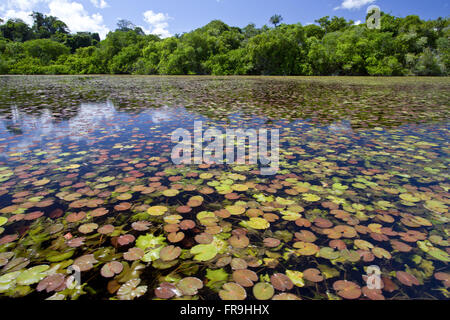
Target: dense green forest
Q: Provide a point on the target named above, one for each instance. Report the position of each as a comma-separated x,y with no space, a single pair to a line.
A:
333,46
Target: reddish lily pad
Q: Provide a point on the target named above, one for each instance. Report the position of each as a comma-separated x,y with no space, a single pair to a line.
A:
238,264
169,253
166,290
189,286
9,238
125,239
85,263
245,277
76,242
141,225
444,277
187,224
232,291
88,228
281,282
51,283
133,254
373,294
286,296
347,289
76,216
239,241
271,242
407,279
124,206
204,238
313,275
175,237
106,229
110,269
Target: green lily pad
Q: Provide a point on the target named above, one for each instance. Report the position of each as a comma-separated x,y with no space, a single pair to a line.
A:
328,253
190,285
32,275
439,254
263,291
157,210
149,241
258,223
235,210
3,221
296,277
170,193
204,252
8,281
232,291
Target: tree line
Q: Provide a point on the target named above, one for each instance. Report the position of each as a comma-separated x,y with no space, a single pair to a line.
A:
332,46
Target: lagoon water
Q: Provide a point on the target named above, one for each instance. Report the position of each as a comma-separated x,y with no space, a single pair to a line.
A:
87,182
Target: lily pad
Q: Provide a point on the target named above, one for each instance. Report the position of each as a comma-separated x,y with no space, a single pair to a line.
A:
245,277
263,291
32,275
313,275
157,210
232,291
190,286
296,277
347,289
281,282
131,290
110,269
169,253
204,252
258,223
407,279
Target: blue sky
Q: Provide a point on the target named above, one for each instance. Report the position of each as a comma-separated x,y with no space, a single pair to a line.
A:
168,17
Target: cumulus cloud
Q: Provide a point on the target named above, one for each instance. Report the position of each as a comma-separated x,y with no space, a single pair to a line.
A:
100,4
71,12
354,4
77,18
18,9
25,16
23,5
158,23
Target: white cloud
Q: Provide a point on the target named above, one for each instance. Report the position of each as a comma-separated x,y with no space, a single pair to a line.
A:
354,4
77,18
23,5
16,14
357,23
158,23
100,4
71,12
19,9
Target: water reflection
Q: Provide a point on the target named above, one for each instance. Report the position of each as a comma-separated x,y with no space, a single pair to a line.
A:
359,184
341,127
89,117
27,130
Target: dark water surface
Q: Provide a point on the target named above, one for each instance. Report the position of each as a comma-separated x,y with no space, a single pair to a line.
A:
87,183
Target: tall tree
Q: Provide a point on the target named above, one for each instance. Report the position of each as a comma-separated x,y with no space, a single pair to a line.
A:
45,27
125,25
16,30
276,19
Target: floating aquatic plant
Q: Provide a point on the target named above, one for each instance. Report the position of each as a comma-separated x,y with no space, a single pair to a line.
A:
357,186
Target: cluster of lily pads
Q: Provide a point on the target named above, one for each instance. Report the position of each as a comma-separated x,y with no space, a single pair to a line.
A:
109,216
